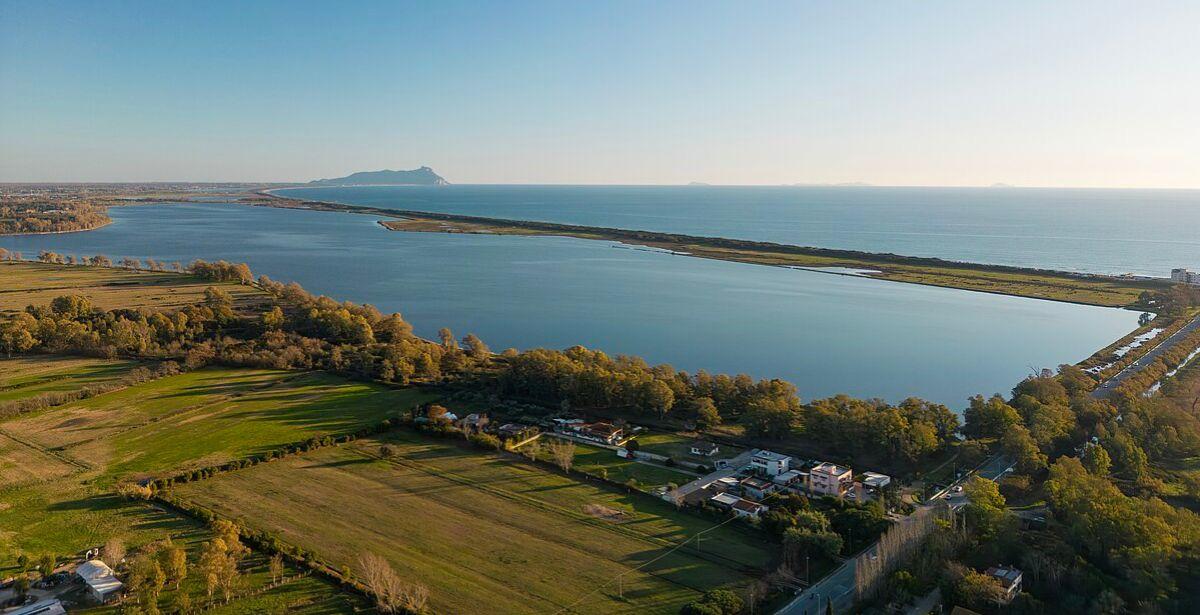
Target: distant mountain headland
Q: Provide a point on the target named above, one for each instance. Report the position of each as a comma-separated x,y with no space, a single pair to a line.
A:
423,176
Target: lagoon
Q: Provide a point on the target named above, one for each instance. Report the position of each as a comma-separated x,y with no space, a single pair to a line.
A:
826,333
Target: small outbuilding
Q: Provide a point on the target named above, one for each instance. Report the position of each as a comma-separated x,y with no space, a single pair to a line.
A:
101,583
703,448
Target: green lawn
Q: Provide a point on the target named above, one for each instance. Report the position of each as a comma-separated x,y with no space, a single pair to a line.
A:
486,532
605,462
24,377
679,447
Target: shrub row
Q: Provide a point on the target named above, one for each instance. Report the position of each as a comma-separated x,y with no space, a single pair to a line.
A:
286,450
51,399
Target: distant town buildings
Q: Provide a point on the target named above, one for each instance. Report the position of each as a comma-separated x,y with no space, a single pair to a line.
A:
1185,276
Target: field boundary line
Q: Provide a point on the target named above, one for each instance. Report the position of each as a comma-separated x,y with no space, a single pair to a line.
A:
82,465
577,516
181,411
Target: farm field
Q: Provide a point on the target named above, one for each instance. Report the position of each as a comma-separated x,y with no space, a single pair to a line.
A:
21,464
30,283
23,377
156,428
485,532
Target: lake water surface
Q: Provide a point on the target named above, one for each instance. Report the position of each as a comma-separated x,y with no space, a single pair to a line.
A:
1147,232
826,333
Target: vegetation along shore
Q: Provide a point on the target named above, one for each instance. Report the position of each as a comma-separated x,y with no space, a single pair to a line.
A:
1089,289
177,421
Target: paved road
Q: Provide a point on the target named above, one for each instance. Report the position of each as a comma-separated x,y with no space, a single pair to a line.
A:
735,465
839,585
1106,389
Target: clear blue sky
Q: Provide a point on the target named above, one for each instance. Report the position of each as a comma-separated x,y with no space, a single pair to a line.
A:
903,93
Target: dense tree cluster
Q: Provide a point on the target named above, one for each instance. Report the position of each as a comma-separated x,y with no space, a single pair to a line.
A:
591,379
37,216
298,330
911,429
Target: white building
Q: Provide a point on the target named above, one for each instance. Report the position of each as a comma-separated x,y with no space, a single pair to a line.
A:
769,463
830,479
102,584
739,506
875,480
1009,578
1185,276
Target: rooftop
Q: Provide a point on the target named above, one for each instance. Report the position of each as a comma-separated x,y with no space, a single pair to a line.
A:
770,456
756,482
747,505
727,499
830,468
98,576
1007,575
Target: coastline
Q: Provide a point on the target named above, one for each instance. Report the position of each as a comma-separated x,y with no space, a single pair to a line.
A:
1067,287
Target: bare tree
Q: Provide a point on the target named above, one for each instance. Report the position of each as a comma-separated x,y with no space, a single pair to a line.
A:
114,552
276,567
563,453
414,598
382,581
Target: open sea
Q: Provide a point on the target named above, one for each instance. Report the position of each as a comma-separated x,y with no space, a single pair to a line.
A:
1145,232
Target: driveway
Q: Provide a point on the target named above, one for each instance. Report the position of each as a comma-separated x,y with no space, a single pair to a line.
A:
735,465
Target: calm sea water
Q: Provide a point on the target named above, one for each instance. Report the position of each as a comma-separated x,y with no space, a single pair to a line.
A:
828,334
1147,232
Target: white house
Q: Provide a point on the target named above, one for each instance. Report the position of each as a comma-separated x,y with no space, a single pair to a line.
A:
704,449
739,506
830,479
769,463
875,480
1010,580
791,478
102,584
757,488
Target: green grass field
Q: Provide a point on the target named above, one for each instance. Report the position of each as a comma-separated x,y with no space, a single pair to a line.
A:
58,466
604,462
22,377
27,283
679,447
487,533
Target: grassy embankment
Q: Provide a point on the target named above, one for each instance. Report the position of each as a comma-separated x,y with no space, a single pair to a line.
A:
28,283
486,532
61,464
1108,291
